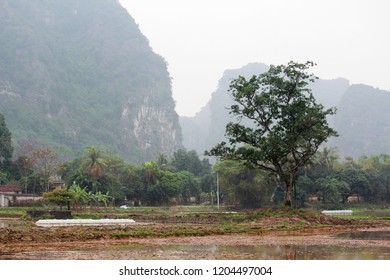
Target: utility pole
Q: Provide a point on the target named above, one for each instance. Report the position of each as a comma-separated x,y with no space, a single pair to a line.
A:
217,190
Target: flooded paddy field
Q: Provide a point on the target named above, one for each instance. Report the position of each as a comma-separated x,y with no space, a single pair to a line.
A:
301,237
249,247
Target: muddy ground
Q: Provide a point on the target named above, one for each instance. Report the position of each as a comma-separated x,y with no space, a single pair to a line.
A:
189,238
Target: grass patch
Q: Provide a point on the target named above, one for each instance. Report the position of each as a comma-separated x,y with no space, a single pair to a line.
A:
86,216
121,234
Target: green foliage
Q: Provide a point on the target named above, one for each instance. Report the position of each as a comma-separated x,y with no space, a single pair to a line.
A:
60,197
94,162
94,165
240,185
151,183
189,185
288,124
189,161
331,190
368,179
356,180
100,198
81,196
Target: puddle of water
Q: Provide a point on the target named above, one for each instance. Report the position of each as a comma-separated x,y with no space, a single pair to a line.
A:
187,252
13,223
285,252
365,235
6,223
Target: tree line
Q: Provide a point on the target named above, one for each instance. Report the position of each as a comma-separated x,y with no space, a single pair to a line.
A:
183,178
326,182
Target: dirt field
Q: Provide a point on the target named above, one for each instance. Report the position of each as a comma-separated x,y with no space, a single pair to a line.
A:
191,238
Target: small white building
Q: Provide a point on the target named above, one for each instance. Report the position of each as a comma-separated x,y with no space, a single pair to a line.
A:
12,195
8,195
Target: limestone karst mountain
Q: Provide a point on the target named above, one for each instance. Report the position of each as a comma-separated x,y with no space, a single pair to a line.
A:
78,73
363,122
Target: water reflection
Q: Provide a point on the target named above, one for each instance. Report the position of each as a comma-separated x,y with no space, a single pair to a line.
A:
5,223
366,235
188,252
285,252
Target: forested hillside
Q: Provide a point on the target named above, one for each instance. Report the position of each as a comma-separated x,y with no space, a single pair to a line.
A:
78,73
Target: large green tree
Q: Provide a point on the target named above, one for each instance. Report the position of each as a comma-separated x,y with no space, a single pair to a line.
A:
279,126
189,161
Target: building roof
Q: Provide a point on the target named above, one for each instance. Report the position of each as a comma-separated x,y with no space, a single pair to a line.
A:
9,188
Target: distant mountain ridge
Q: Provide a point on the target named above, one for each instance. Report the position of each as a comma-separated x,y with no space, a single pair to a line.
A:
77,73
362,118
363,122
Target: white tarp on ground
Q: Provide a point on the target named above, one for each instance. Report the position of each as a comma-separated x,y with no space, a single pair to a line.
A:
337,212
84,222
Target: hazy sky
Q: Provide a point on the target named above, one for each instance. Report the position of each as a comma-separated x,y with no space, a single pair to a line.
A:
201,38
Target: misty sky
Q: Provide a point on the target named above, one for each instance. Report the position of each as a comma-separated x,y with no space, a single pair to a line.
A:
201,38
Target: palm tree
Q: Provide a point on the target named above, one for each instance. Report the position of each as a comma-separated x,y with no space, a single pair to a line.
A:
323,161
162,161
94,164
150,170
328,157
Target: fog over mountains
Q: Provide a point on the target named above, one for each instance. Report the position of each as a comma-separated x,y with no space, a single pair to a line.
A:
362,119
80,73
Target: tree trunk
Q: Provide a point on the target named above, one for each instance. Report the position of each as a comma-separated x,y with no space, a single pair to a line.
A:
289,182
288,200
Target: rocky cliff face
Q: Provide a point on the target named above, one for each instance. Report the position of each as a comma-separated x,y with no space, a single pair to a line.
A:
77,73
152,128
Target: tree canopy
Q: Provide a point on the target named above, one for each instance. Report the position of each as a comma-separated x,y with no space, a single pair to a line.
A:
279,126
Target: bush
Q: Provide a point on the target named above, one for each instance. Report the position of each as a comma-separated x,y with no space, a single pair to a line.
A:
59,197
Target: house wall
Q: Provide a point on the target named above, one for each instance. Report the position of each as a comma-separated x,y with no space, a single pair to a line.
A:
25,200
22,198
5,200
